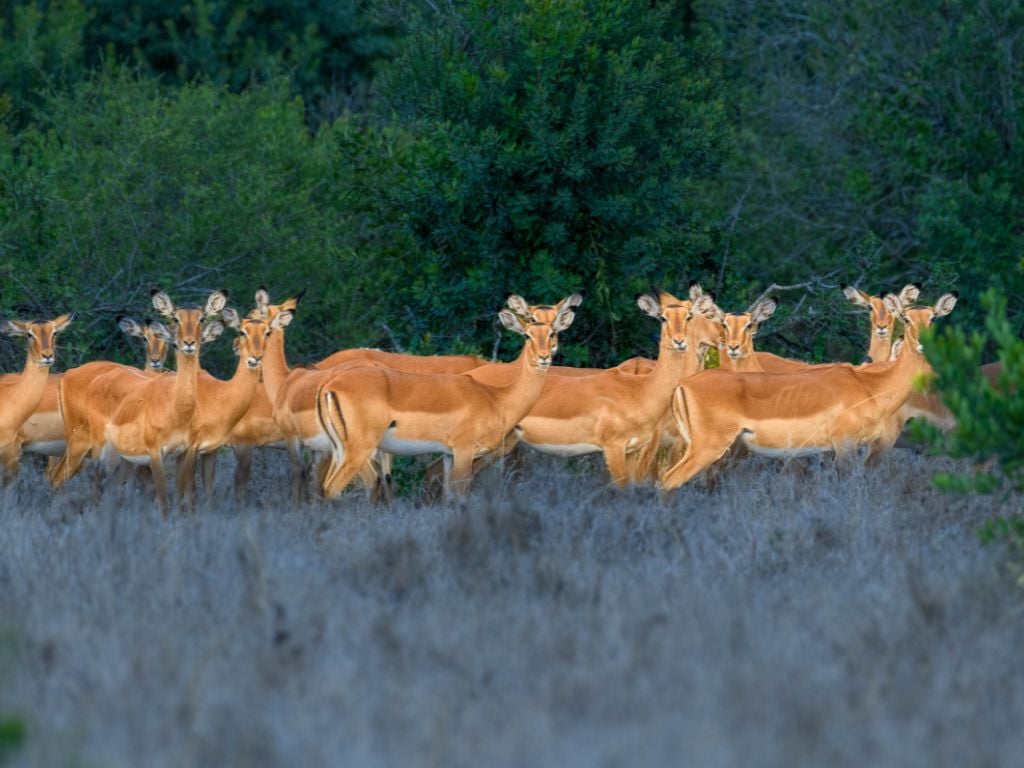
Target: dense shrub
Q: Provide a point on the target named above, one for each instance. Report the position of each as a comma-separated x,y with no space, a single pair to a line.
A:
565,142
123,187
328,49
989,415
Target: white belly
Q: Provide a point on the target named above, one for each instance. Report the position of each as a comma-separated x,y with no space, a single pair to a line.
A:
402,447
46,447
567,450
750,441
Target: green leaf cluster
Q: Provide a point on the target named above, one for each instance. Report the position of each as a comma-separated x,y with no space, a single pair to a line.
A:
989,409
566,140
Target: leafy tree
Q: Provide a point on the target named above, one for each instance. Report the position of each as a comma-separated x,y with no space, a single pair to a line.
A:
328,49
124,188
989,413
881,140
563,146
40,44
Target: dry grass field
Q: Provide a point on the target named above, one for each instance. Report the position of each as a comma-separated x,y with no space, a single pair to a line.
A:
790,618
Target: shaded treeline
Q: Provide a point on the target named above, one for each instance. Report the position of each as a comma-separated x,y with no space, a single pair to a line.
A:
413,162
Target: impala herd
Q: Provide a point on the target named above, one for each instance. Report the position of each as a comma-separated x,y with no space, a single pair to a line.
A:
355,409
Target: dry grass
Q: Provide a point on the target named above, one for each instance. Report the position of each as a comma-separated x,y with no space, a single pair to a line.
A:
786,619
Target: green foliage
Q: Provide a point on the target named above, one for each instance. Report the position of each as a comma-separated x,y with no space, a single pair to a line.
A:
328,49
12,736
123,188
41,43
989,409
563,142
1007,532
861,121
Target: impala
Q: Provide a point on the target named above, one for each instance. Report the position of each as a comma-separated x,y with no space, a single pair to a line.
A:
616,413
141,417
154,418
220,405
20,395
831,408
292,391
883,322
291,399
461,415
43,432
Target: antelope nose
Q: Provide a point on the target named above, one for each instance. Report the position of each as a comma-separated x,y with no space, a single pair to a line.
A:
188,347
680,345
156,363
254,362
544,360
46,359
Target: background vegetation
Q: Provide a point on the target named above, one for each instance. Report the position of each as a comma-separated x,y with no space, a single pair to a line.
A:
412,162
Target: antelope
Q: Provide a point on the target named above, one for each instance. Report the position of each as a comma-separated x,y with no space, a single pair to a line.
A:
140,417
460,415
20,395
831,408
220,405
291,397
154,419
43,432
616,413
292,391
434,472
883,322
84,408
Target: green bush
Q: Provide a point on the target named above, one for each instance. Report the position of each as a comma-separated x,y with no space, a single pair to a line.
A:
123,187
12,736
563,142
329,50
989,417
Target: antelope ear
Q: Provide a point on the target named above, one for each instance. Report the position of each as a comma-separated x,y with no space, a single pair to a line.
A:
215,303
292,304
859,298
282,319
570,301
212,330
131,326
162,332
897,346
894,305
61,323
518,305
945,304
695,290
162,303
764,309
563,320
910,293
230,317
262,300
649,304
705,307
512,321
14,328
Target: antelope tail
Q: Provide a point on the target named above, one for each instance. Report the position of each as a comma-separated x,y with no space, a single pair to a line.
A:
328,411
